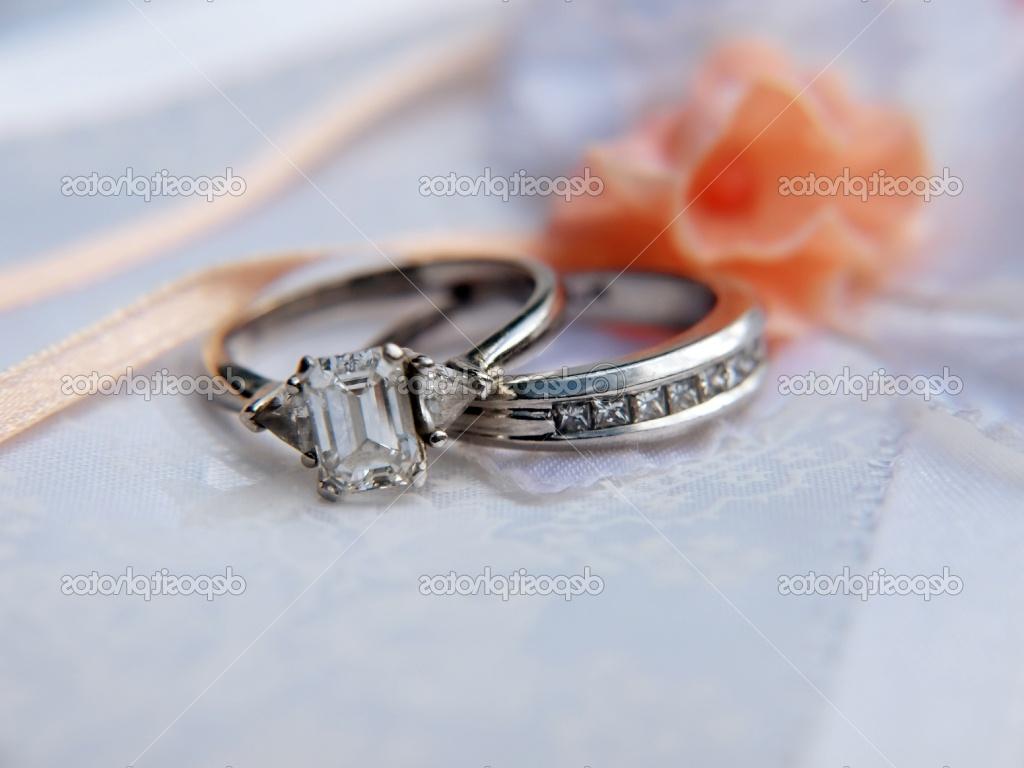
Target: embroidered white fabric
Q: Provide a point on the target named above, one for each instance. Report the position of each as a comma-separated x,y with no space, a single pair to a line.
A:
690,654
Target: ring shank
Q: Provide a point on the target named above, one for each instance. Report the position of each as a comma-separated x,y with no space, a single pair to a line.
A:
447,282
713,363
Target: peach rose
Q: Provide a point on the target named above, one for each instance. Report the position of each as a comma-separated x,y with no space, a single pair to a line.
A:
718,186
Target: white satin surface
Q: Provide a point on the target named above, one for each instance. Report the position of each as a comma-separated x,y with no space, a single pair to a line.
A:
690,654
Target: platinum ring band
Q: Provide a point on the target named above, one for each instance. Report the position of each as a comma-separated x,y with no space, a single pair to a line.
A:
711,367
364,418
448,281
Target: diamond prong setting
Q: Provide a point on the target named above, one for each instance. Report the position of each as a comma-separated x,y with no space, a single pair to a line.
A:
364,419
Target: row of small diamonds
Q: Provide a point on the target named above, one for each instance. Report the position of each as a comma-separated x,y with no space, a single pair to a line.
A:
604,412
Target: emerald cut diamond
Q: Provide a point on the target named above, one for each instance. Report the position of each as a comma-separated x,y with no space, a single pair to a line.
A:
364,418
361,422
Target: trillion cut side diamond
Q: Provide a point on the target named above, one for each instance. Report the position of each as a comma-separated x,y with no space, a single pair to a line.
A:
361,422
288,418
445,393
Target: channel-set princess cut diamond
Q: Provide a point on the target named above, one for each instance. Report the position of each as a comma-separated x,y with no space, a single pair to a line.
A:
649,404
610,412
572,417
717,379
698,387
684,394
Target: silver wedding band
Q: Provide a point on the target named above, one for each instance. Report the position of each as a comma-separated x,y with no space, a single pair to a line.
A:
711,366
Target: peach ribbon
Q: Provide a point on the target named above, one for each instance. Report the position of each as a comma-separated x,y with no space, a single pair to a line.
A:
30,391
347,115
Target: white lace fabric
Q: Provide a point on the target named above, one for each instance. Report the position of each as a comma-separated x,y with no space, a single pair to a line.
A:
689,655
